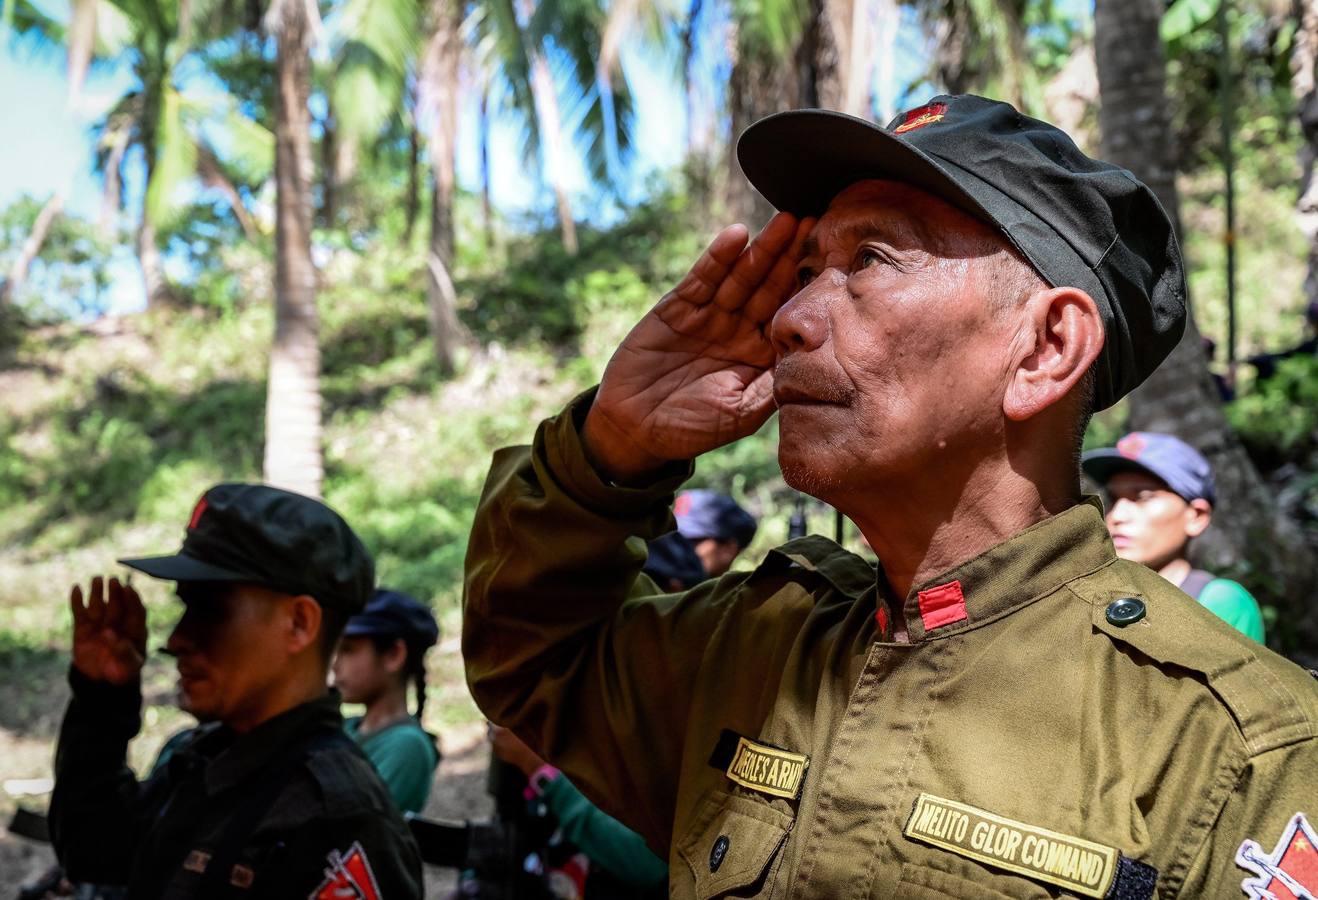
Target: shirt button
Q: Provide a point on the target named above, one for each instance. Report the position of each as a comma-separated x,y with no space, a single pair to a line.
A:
719,851
1126,611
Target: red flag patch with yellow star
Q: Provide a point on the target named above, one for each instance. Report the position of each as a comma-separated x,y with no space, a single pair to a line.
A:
1289,872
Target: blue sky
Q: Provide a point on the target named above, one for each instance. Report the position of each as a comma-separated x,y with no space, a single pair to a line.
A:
46,143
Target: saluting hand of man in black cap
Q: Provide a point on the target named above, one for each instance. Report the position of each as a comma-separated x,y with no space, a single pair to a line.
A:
697,372
109,632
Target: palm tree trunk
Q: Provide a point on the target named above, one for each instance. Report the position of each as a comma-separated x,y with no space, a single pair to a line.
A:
30,249
154,282
551,142
440,81
757,86
412,201
1180,398
293,454
1304,84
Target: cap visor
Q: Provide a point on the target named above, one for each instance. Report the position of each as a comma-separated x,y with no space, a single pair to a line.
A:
800,160
1100,465
180,567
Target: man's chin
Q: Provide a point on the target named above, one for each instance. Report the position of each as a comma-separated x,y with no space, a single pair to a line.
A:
196,706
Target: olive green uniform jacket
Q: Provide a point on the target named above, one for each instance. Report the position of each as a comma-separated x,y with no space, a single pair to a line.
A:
1021,745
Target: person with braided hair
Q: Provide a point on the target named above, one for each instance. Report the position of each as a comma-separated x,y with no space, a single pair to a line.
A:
383,651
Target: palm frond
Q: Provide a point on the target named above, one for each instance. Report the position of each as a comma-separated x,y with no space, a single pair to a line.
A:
176,159
379,39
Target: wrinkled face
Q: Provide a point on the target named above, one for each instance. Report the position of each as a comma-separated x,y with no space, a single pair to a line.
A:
1149,523
361,672
228,649
891,358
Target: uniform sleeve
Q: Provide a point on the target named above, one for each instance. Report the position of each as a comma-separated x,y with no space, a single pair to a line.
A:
95,808
406,762
1272,790
360,855
565,642
607,842
1234,605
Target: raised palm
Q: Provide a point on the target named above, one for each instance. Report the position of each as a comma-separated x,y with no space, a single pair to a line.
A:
697,372
109,632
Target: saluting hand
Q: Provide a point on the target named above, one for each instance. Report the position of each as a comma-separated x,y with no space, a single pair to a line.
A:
697,372
109,632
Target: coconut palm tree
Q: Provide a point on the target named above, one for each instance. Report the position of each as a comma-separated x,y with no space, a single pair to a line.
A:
293,453
157,114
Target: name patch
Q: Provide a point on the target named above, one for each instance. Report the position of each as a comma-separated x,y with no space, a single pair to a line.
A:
767,769
1069,862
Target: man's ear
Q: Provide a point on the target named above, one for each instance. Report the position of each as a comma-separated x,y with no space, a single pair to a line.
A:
1062,334
304,618
1198,517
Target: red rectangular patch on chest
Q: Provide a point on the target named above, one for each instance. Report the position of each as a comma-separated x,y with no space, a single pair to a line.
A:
942,605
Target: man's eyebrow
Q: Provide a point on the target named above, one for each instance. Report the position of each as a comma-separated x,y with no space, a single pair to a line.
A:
903,231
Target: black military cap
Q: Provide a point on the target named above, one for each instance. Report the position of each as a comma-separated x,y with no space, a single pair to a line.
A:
275,538
1080,222
394,614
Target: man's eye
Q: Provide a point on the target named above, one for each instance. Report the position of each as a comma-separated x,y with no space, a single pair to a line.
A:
805,275
868,257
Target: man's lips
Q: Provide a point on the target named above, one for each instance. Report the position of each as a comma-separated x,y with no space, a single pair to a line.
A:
787,394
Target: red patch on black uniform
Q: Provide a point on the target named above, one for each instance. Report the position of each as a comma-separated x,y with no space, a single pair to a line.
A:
349,877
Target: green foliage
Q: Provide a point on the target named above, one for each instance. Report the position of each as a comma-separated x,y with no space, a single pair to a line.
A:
1278,418
68,277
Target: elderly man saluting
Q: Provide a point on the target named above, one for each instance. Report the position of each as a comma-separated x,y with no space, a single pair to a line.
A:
1003,709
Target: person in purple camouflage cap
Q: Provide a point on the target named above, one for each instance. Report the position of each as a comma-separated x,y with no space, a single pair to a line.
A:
716,526
1160,496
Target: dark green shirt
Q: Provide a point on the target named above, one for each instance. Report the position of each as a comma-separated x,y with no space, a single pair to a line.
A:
404,755
289,799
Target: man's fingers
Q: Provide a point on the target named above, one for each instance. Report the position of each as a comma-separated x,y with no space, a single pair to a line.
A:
712,267
782,282
96,602
754,264
76,604
114,604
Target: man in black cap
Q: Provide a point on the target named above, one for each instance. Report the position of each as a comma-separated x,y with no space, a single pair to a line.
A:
1003,708
268,797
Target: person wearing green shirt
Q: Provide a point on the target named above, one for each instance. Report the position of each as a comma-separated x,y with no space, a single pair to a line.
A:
1161,497
620,863
382,650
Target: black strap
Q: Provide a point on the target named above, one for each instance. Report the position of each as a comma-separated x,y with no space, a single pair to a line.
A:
1196,581
262,795
1135,880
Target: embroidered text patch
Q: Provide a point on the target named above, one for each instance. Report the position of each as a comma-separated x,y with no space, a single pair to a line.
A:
1068,862
767,769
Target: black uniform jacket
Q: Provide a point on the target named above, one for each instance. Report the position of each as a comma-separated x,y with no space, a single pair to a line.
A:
290,809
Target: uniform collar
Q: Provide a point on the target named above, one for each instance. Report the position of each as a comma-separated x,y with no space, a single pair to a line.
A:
249,753
1016,572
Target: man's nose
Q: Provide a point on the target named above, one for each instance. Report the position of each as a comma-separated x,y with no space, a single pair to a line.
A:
180,639
801,324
